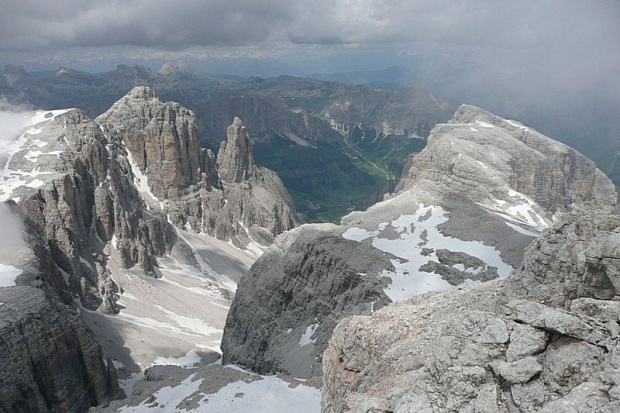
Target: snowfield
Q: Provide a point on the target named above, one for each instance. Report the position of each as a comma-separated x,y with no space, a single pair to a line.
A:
417,232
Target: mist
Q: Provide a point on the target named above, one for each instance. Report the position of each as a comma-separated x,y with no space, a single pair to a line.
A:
12,229
13,121
552,64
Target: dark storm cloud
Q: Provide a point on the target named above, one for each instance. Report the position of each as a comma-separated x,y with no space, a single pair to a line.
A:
566,42
33,24
182,23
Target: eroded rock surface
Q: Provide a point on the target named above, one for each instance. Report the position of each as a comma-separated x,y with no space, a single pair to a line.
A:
288,304
497,161
544,339
76,185
230,198
50,361
161,137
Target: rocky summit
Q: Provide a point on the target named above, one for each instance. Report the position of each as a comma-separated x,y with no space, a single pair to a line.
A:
467,207
123,179
230,199
545,339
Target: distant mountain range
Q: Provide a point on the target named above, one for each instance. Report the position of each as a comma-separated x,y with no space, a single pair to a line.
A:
337,147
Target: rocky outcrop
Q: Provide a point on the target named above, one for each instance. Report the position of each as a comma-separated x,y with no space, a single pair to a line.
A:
50,361
485,156
89,185
288,304
460,220
231,198
92,198
410,112
287,119
161,137
544,339
235,158
76,185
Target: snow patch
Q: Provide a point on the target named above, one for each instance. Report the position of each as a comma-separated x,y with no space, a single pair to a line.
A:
35,183
8,275
306,336
190,324
515,124
519,210
88,264
33,156
358,234
484,124
269,394
522,230
187,361
130,382
419,231
167,398
10,179
141,182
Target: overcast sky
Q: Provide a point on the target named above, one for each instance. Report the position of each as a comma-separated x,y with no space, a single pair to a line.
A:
555,25
31,24
544,44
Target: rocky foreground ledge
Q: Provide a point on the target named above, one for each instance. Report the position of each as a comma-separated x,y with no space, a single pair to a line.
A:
545,339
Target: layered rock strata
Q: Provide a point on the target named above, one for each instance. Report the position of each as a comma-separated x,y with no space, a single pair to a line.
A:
50,361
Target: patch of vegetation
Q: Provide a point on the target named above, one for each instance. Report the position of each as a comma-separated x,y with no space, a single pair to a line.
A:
326,182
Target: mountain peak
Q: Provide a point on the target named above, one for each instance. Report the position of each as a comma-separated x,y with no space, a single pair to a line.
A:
235,157
170,68
237,122
141,93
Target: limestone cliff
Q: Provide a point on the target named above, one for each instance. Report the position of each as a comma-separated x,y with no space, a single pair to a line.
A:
287,305
90,198
77,186
161,137
231,198
485,155
235,158
50,361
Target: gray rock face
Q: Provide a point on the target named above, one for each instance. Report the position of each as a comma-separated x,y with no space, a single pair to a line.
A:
544,339
161,137
76,185
287,306
231,198
235,158
484,155
28,251
82,189
50,361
